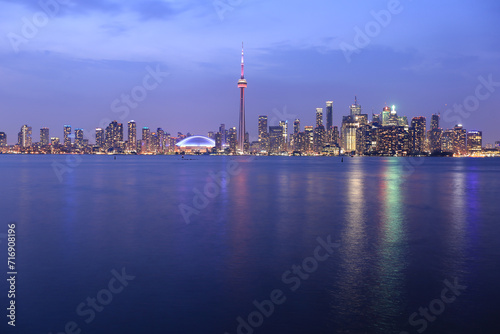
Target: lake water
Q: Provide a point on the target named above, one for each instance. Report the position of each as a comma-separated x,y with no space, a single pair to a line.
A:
196,241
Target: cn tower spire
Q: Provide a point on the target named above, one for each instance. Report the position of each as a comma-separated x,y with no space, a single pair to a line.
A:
242,63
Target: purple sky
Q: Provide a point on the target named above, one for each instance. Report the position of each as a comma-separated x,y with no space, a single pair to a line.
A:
424,58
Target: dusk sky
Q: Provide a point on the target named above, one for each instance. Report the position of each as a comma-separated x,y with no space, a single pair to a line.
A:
424,58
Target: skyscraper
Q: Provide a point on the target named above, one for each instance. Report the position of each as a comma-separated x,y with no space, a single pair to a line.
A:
262,127
44,136
474,142
284,126
99,137
242,84
25,136
146,139
3,139
329,116
355,108
67,138
418,132
319,116
435,122
459,140
78,138
132,135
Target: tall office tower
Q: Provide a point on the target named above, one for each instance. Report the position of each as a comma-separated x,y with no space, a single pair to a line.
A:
309,138
132,135
319,138
296,126
418,131
275,139
155,142
434,137
99,138
435,122
402,121
242,84
146,140
474,141
79,138
376,119
386,113
335,136
44,137
295,137
161,140
3,139
211,135
460,140
218,141
349,129
262,127
233,139
24,136
284,127
319,116
119,134
447,140
393,117
355,108
329,116
67,138
222,130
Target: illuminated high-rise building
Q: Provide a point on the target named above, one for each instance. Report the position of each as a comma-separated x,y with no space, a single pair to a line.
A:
355,108
132,135
296,126
218,141
223,131
79,138
262,127
435,122
309,138
276,139
386,113
233,139
319,138
319,116
393,117
418,134
242,84
67,134
100,139
329,117
447,141
459,140
284,127
474,141
3,139
44,137
349,130
24,136
146,140
55,141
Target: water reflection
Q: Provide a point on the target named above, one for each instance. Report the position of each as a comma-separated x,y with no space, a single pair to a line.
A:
391,250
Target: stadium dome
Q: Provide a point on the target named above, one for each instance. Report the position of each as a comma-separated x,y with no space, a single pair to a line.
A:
196,141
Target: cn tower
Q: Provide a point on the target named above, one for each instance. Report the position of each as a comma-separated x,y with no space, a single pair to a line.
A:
242,84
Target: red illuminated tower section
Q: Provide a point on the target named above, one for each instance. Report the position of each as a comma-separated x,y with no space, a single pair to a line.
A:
242,84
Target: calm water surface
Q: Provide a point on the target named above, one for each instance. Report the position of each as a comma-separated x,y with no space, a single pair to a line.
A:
402,227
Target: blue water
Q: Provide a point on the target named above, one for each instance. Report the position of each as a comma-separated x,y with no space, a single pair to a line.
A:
401,227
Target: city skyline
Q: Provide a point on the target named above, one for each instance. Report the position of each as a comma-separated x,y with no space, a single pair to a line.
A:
295,62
